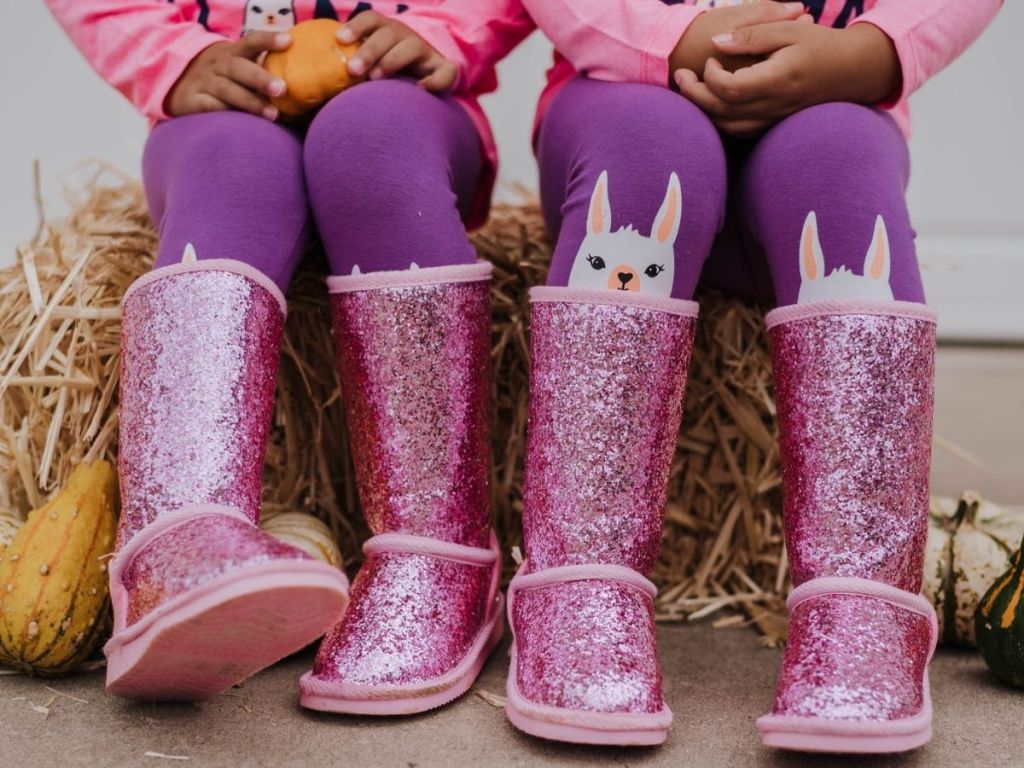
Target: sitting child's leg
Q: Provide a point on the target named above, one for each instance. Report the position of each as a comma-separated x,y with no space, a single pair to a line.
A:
847,165
853,353
231,185
202,597
392,170
638,137
609,356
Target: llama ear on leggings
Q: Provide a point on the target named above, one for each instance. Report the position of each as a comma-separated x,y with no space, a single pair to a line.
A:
599,215
812,260
878,261
666,223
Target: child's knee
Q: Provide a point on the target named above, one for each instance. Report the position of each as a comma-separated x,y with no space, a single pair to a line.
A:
846,139
652,126
247,151
367,136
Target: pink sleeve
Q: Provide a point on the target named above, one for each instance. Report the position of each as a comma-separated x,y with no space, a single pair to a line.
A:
929,34
474,34
617,40
140,47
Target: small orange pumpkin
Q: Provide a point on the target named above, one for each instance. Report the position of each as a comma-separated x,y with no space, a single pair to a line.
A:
314,66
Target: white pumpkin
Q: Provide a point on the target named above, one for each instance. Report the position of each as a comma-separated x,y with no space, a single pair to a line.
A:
308,533
969,545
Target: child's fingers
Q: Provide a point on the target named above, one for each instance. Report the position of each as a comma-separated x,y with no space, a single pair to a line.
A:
404,54
251,75
701,95
255,44
361,26
204,102
746,85
442,78
241,98
758,39
370,52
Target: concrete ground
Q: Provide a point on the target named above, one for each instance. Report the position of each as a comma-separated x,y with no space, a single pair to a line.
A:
718,681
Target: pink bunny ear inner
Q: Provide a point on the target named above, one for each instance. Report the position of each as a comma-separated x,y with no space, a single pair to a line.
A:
811,258
666,223
599,215
876,266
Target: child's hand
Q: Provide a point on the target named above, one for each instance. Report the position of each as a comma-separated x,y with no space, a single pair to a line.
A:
807,64
226,76
695,47
390,46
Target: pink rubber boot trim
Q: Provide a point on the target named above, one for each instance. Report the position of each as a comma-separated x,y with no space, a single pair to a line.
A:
349,698
215,265
819,734
573,725
410,278
559,295
253,617
836,307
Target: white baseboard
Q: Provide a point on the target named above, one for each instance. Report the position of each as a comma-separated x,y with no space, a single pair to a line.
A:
976,284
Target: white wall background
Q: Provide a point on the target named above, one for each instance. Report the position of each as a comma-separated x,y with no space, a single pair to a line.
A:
965,196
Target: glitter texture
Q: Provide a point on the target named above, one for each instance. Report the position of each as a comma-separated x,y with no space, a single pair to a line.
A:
411,619
199,355
414,365
606,398
854,398
587,645
194,553
853,657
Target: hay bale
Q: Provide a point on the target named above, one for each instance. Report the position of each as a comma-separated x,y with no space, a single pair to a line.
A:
59,327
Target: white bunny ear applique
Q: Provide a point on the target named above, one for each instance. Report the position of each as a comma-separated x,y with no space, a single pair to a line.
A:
812,260
599,215
413,266
878,261
189,254
356,270
666,223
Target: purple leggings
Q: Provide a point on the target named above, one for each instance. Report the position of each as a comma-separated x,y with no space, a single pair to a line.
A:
385,172
740,217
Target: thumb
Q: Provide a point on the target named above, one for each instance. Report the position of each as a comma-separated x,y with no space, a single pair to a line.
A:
758,39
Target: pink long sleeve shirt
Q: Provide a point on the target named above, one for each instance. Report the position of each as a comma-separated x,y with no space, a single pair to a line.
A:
141,47
631,40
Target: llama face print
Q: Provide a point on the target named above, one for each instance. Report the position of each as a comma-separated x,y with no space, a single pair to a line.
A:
625,260
841,283
268,16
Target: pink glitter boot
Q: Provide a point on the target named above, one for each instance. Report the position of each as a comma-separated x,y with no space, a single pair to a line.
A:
853,383
414,364
607,379
202,598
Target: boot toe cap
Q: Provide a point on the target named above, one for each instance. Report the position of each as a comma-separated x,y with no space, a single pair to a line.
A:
587,645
